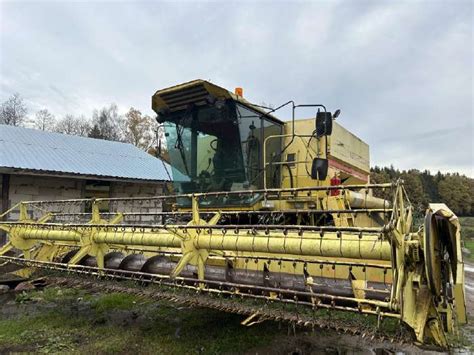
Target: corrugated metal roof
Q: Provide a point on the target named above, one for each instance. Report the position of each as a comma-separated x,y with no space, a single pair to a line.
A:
30,149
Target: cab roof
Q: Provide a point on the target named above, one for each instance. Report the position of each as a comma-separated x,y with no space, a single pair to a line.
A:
198,92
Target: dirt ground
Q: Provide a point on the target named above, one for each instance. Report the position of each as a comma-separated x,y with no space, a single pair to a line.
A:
66,325
56,320
74,321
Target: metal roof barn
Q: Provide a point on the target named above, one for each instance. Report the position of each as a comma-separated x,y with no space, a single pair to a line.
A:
41,152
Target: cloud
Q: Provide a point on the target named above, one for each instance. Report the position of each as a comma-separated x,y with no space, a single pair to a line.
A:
400,71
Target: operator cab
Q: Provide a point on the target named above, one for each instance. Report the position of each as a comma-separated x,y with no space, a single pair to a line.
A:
215,141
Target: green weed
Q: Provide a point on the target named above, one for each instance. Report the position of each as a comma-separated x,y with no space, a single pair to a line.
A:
114,301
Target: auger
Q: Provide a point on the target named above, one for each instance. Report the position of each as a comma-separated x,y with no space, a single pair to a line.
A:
263,209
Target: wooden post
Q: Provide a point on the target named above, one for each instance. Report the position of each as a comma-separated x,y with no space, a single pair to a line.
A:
5,203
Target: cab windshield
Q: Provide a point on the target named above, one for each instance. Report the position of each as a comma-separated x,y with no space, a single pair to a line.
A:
220,148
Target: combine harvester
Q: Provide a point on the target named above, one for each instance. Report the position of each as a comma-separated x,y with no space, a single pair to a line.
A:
264,209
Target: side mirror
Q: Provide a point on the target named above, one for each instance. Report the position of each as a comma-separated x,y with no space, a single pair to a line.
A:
323,124
319,169
336,114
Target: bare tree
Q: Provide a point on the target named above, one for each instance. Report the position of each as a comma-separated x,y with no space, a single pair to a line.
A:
107,123
158,147
44,120
83,126
13,111
140,130
78,126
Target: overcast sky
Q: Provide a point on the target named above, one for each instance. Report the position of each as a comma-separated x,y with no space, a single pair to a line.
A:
401,72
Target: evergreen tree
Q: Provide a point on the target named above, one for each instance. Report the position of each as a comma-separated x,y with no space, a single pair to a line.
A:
455,190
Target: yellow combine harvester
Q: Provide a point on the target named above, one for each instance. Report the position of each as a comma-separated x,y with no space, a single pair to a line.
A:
264,209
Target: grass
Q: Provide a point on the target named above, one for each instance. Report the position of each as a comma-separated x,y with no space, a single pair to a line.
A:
48,332
114,301
469,244
58,320
467,227
83,323
124,323
467,234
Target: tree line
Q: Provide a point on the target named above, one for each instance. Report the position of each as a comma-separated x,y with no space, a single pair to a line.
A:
105,123
453,189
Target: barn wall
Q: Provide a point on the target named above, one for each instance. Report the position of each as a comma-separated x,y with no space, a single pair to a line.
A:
43,188
129,189
37,188
119,189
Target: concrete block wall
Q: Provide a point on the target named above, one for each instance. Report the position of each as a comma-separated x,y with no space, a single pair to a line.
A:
43,188
123,189
131,189
38,188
